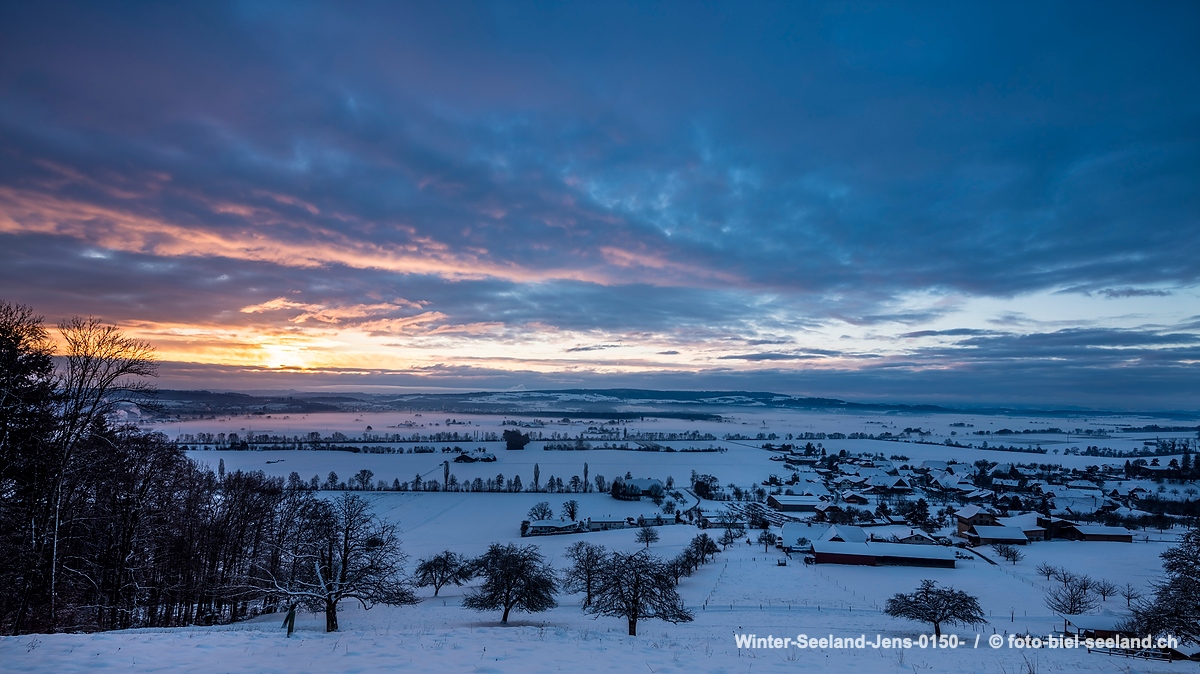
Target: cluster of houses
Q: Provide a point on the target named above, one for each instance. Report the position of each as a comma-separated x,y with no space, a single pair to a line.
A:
988,492
981,526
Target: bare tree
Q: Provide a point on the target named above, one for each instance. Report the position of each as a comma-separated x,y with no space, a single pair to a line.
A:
583,575
340,550
570,509
704,547
936,605
1046,569
767,539
443,569
1130,594
1104,588
541,511
101,367
1072,596
636,587
1008,552
514,578
363,478
729,537
647,535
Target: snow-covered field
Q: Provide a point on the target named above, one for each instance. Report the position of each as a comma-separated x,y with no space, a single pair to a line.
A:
744,591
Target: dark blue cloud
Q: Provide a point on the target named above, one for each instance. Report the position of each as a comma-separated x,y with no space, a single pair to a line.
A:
696,174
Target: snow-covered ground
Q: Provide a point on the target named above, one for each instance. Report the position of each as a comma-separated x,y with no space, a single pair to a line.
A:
744,591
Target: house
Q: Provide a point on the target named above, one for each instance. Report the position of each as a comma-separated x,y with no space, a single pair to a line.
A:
996,535
974,515
845,534
784,503
644,484
889,483
655,520
605,525
979,495
882,554
826,510
1056,527
1027,523
915,537
793,532
855,498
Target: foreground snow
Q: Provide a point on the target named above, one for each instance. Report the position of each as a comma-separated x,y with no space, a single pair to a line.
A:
743,592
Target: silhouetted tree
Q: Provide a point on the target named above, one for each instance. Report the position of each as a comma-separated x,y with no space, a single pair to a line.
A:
936,605
514,578
637,587
443,569
586,562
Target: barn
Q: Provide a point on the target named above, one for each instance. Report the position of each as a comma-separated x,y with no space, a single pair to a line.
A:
785,503
882,554
1084,532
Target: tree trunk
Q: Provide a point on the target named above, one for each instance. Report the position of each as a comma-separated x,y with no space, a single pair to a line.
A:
331,616
504,618
937,629
633,627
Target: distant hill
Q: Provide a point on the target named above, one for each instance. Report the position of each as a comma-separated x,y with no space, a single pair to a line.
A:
577,403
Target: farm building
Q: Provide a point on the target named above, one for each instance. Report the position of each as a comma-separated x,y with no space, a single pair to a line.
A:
552,527
985,535
882,554
1092,626
784,503
1084,532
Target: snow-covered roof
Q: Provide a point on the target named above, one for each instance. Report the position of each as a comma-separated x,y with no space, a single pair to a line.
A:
850,534
788,499
884,550
1026,522
794,531
1001,533
1097,530
644,483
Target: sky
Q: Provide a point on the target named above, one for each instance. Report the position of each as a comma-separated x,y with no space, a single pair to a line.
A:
963,203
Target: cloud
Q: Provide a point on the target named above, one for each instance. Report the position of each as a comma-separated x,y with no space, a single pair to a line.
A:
954,332
1115,293
768,356
594,347
514,181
